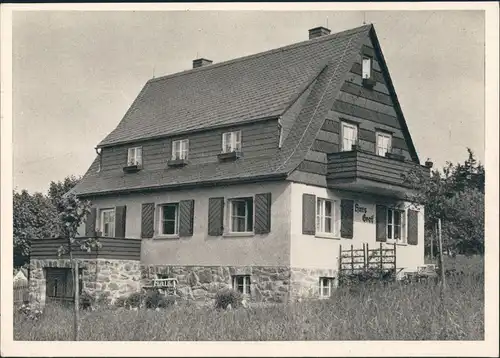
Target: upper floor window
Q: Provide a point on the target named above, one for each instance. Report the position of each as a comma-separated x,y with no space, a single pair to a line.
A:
395,225
231,142
180,149
367,68
349,136
383,143
107,222
134,156
169,219
241,215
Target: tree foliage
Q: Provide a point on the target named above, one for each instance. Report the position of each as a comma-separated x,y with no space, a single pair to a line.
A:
456,195
37,216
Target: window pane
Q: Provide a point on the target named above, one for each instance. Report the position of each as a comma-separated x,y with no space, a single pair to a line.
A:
389,216
238,224
328,208
389,231
366,68
169,212
397,218
328,224
169,227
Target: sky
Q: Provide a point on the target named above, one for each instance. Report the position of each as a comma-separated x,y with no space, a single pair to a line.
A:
75,74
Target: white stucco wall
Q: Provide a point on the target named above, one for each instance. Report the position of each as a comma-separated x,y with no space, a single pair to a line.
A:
310,251
200,249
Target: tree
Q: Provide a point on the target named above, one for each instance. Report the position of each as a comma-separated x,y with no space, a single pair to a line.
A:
456,195
34,218
56,193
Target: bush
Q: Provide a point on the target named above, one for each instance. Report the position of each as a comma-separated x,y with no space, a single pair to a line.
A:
134,300
155,299
121,301
104,299
87,300
226,297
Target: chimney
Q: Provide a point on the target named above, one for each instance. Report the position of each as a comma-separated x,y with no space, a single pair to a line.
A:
318,31
199,62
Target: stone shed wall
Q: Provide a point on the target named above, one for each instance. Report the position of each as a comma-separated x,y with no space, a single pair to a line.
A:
118,277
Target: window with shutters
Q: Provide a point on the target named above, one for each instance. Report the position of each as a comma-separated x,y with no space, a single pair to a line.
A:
241,283
231,142
106,222
325,287
180,149
134,156
169,219
241,215
383,143
395,225
349,136
326,220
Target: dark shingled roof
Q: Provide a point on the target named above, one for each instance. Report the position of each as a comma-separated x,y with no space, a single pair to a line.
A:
260,86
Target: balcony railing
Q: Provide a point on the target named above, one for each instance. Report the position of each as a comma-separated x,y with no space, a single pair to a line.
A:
364,171
111,248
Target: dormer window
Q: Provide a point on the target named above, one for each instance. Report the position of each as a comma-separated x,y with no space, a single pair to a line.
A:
231,142
134,157
180,149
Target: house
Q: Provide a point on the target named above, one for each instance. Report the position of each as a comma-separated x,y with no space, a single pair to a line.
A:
251,173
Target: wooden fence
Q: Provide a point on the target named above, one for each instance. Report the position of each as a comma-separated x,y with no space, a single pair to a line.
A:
21,292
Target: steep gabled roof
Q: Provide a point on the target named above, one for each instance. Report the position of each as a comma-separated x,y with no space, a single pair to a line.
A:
227,93
296,83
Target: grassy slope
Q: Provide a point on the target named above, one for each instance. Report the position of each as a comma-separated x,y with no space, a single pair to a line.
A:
394,312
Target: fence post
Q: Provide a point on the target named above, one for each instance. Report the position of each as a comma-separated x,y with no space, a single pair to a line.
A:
395,266
352,259
340,263
381,260
441,264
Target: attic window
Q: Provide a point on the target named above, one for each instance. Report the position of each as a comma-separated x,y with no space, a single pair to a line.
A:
367,68
367,72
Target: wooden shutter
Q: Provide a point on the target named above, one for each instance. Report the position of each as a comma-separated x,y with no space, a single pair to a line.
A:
215,216
120,220
90,223
412,227
346,218
381,218
308,214
186,217
262,213
148,220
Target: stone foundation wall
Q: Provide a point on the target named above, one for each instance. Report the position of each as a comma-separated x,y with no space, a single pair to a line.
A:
117,277
201,283
304,282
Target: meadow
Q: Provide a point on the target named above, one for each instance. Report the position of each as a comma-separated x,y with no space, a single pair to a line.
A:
381,312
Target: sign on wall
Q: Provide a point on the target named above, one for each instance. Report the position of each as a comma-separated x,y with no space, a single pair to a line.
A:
364,213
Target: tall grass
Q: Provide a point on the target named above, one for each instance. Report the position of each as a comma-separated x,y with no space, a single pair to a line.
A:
391,312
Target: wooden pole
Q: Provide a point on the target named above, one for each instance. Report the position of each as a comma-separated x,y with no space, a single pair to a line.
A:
352,259
76,285
432,243
381,260
441,264
395,266
340,263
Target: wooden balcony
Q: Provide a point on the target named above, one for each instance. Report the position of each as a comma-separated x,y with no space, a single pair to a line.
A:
363,171
111,248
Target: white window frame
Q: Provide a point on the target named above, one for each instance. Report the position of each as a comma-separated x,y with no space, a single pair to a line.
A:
321,217
325,284
367,64
390,226
233,140
100,224
352,126
246,217
180,149
380,149
246,286
161,220
134,156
